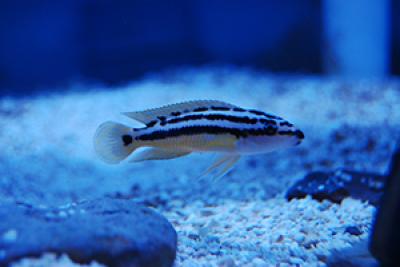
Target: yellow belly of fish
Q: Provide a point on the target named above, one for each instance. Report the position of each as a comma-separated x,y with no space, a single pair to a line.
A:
199,142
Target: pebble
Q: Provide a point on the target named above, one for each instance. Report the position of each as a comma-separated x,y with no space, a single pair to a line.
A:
10,236
214,249
226,262
297,261
353,230
207,212
257,262
212,239
259,231
299,238
194,236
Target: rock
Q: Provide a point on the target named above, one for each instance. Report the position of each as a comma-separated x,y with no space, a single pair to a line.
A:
337,185
110,231
353,230
385,234
354,256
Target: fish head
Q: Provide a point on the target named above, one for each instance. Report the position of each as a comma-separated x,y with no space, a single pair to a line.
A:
271,138
299,135
293,134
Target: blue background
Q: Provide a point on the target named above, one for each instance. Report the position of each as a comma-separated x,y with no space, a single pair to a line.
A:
51,44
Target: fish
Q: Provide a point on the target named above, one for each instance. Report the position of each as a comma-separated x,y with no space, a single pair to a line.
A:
177,130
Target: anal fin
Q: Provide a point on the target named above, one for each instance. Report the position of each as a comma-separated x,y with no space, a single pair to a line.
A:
158,154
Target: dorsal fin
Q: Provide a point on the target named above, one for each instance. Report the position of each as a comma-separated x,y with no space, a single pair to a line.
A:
149,115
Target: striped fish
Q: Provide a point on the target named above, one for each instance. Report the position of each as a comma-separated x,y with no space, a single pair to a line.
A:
196,126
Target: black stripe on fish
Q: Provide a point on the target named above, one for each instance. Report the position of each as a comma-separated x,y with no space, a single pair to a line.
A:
175,114
220,108
163,120
285,123
296,133
213,117
260,113
285,132
152,123
127,139
299,134
201,109
239,109
266,121
196,130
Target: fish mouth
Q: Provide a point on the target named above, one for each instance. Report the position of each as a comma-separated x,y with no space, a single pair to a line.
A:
300,135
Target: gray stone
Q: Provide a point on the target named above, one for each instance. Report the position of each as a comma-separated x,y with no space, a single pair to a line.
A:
355,256
109,231
353,230
385,235
337,185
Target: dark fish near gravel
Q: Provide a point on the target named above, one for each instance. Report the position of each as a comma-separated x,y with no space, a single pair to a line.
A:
196,126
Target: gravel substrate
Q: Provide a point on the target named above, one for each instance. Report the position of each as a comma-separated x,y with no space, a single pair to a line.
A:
264,233
51,260
240,220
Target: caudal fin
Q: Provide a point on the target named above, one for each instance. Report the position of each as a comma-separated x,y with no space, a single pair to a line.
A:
113,142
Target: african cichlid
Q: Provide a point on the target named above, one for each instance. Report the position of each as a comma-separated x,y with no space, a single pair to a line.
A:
196,126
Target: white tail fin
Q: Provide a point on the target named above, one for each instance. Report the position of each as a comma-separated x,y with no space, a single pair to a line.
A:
113,142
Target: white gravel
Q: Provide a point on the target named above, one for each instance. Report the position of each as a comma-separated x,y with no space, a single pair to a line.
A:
264,233
51,260
241,220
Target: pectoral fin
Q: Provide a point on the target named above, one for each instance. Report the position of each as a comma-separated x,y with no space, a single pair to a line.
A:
158,154
221,166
